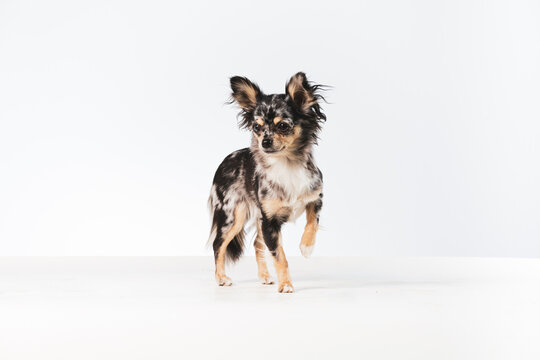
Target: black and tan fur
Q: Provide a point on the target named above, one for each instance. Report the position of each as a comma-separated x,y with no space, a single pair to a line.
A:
273,181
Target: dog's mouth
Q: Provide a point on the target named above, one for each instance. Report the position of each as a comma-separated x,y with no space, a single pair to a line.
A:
272,151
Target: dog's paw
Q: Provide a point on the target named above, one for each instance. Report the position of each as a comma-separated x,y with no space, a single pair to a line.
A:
285,287
266,280
306,250
223,280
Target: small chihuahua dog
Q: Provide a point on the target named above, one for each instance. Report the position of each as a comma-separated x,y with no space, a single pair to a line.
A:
273,181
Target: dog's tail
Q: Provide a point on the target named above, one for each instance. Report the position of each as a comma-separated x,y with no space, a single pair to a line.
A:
213,228
236,246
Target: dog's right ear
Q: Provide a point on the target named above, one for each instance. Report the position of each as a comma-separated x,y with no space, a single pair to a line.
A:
245,93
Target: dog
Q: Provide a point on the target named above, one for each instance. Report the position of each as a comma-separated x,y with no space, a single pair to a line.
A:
273,181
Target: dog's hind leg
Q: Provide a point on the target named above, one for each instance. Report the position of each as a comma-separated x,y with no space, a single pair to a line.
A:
259,245
229,242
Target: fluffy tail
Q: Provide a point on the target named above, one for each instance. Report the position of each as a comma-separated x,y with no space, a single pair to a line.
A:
213,228
235,247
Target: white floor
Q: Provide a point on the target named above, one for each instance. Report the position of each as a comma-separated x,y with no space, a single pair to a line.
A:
343,308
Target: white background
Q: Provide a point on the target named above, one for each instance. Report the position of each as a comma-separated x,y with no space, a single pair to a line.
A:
112,122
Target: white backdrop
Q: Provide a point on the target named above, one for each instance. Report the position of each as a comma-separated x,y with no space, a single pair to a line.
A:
112,122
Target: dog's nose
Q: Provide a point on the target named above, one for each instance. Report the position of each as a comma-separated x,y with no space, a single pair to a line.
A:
266,143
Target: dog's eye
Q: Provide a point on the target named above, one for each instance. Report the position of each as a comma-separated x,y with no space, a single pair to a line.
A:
283,126
256,127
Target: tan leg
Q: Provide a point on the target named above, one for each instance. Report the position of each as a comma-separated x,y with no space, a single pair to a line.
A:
271,231
308,238
238,225
282,269
264,275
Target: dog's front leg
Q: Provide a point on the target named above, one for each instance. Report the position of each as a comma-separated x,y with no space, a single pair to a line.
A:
271,228
308,238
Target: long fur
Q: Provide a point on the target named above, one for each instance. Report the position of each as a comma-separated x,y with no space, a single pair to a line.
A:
275,179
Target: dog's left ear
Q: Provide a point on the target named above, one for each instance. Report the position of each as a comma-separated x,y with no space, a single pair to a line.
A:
305,95
300,92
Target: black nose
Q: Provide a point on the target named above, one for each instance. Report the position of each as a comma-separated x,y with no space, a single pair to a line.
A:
266,143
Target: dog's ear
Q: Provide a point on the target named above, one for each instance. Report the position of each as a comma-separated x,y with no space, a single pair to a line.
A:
305,96
301,92
245,93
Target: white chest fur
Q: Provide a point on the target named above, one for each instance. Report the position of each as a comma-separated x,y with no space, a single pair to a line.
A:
294,179
297,183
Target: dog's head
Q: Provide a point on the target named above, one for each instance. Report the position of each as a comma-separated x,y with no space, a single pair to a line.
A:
281,123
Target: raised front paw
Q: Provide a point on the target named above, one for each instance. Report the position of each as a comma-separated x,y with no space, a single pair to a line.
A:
286,287
306,250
